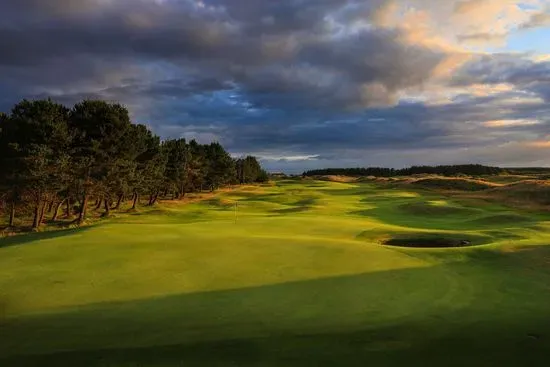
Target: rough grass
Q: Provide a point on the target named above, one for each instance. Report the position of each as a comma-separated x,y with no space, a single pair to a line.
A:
537,191
458,184
187,284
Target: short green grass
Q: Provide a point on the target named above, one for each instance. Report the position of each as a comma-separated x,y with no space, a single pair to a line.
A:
299,277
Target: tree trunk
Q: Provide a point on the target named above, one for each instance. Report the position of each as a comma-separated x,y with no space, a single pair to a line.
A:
50,206
36,216
12,214
68,211
82,212
56,210
98,204
42,213
135,200
165,193
119,201
107,208
153,198
182,192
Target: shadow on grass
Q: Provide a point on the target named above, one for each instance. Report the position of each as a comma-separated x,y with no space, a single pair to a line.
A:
289,181
354,191
316,185
426,209
504,235
25,238
264,197
294,210
299,206
421,215
243,194
354,320
503,220
219,204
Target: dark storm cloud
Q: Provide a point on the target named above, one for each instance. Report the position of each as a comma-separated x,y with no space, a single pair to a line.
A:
116,31
257,45
503,68
294,77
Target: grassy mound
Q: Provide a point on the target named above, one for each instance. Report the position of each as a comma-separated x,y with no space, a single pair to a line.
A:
340,179
506,179
434,209
455,184
502,219
191,284
302,205
537,191
220,204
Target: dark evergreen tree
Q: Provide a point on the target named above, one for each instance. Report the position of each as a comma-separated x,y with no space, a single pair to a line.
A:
198,166
99,150
39,142
449,170
248,169
149,175
51,156
178,157
11,172
220,167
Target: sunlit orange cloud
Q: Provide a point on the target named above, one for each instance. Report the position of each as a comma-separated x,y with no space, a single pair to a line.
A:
460,30
539,144
507,123
483,90
541,58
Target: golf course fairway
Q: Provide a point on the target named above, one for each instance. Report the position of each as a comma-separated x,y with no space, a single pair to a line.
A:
293,273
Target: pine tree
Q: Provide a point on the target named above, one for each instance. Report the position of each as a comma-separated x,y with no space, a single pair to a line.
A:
99,150
40,138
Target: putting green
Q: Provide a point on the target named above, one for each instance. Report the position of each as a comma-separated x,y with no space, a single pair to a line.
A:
298,276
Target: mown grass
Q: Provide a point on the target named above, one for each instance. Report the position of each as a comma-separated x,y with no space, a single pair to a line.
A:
299,277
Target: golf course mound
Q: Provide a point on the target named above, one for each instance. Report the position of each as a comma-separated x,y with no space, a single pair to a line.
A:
434,209
502,219
340,179
537,191
219,204
294,274
454,184
434,241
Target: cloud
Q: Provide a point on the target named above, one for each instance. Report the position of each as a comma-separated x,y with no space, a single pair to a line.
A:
528,76
342,81
484,38
536,20
506,123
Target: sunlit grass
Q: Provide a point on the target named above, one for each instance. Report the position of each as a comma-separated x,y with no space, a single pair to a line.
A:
259,268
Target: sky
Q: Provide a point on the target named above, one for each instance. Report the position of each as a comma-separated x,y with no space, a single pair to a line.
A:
301,84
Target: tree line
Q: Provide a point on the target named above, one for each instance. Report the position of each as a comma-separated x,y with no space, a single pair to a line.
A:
53,158
445,170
